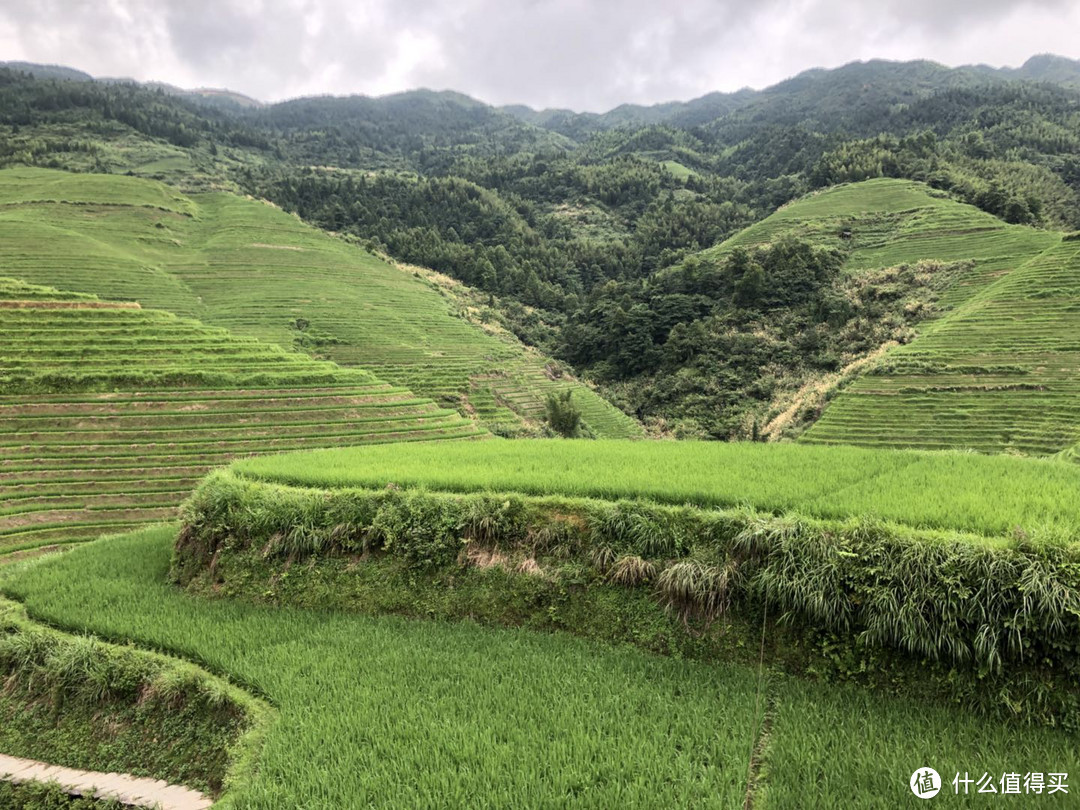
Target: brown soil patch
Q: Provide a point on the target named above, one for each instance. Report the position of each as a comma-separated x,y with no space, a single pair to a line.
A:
70,305
276,247
31,553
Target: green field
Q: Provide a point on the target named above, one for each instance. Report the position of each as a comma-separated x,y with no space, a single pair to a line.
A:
891,222
948,490
998,370
282,517
426,714
250,268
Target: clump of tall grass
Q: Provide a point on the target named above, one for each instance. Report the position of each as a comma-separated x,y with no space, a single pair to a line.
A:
631,570
493,521
699,589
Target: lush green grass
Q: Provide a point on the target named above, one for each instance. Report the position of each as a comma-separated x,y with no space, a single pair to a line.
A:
23,186
62,342
678,170
832,748
989,618
963,491
998,370
893,222
399,713
249,267
395,713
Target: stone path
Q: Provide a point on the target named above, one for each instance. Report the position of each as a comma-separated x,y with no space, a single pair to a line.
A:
124,788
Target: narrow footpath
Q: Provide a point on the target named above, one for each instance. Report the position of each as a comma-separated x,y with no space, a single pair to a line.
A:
131,790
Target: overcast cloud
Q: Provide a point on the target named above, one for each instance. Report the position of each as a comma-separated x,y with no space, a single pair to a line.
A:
582,54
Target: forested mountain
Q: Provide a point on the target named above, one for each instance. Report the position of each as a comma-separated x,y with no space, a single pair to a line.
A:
829,96
569,221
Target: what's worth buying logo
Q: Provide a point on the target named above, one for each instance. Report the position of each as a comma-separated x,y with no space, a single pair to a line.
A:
925,783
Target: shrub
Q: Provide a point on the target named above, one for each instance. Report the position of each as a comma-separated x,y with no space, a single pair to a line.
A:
563,415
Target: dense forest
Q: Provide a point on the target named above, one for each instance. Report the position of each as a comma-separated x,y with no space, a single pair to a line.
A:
582,229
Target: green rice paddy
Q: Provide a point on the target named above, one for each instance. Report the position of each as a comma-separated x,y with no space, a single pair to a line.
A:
992,495
390,712
110,414
152,335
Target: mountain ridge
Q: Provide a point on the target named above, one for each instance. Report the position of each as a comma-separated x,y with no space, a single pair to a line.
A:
1043,67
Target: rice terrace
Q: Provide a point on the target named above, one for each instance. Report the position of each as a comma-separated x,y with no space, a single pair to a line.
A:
402,450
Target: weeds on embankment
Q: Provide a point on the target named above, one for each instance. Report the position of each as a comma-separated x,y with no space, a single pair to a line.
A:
993,620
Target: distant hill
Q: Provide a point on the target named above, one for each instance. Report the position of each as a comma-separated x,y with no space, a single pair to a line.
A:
204,95
820,94
210,96
415,120
882,313
48,71
1047,67
578,232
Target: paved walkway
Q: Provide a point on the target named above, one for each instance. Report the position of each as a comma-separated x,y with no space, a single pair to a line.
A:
133,790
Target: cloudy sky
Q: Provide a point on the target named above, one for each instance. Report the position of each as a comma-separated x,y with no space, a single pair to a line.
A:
582,54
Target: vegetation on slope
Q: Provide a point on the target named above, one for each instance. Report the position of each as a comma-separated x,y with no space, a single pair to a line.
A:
37,796
999,610
726,343
1000,374
545,223
260,272
630,729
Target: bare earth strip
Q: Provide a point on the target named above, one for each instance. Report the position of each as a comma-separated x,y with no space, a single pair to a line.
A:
126,789
49,304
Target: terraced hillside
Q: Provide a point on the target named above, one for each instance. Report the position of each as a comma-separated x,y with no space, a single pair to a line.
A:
257,271
885,222
999,370
109,413
1001,374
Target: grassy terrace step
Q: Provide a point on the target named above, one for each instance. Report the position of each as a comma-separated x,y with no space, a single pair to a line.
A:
250,268
194,400
44,428
48,355
95,467
44,475
76,462
957,568
894,222
991,496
